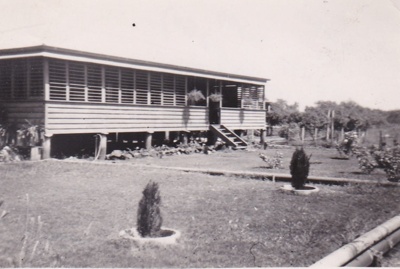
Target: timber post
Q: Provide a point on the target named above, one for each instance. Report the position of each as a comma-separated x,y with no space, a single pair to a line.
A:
262,136
47,146
102,146
166,137
185,137
149,138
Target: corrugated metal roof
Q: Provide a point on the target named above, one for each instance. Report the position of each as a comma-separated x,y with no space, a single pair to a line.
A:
96,56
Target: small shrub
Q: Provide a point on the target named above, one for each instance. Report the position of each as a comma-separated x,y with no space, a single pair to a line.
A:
346,147
389,161
290,131
366,161
299,168
274,162
149,219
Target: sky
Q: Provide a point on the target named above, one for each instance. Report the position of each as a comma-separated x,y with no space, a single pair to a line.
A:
311,50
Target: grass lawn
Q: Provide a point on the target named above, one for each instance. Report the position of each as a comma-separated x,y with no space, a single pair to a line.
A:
324,162
224,221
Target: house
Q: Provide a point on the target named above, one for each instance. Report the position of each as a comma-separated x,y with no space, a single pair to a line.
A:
72,93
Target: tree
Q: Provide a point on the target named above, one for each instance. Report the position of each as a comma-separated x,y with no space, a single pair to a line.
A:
283,113
149,218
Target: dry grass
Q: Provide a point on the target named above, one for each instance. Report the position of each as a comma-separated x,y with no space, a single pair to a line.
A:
225,221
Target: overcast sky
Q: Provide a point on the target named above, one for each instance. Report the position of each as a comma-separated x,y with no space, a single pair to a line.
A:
312,50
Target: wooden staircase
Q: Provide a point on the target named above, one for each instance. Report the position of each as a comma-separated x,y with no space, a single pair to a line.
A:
228,136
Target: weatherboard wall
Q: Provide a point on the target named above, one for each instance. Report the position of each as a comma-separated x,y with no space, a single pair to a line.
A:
68,118
243,119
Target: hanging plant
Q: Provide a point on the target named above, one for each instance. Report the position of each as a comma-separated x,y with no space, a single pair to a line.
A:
215,97
195,96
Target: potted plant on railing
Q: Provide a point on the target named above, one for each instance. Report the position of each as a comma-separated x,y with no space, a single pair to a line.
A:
195,96
215,97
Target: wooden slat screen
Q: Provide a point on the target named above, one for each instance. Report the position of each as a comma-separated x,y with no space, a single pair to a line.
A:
76,82
21,79
180,90
155,86
58,80
142,83
112,84
127,86
260,96
36,77
168,89
94,83
253,96
5,80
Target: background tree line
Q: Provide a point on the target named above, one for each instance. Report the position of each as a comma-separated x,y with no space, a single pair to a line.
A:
330,116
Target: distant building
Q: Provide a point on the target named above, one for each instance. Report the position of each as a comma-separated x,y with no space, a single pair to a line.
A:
69,92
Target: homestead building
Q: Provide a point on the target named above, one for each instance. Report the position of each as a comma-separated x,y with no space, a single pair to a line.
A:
71,93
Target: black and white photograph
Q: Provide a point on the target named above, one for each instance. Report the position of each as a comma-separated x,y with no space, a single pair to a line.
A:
199,133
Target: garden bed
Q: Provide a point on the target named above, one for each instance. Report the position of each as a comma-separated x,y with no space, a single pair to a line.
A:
224,221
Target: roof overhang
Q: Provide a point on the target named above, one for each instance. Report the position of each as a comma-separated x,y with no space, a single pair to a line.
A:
75,55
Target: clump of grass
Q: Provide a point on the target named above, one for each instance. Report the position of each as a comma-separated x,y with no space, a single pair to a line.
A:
149,219
299,168
34,250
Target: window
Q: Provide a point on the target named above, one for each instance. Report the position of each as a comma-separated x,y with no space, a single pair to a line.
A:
141,87
5,80
76,81
168,89
127,86
94,83
112,84
180,90
36,77
155,88
58,80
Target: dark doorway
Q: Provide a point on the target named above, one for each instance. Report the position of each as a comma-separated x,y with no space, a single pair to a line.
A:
214,113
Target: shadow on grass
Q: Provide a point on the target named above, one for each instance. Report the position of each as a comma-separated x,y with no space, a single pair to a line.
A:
354,172
266,167
340,158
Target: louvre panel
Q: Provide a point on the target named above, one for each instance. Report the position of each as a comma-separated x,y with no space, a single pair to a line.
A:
5,80
155,88
141,87
168,89
36,77
127,86
57,72
260,97
57,79
239,94
94,83
180,90
112,84
57,93
250,97
76,74
20,79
